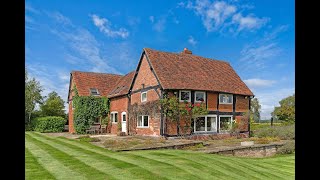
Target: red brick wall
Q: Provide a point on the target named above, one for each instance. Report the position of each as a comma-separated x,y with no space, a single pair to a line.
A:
242,104
119,104
145,76
225,107
71,128
70,121
151,96
153,129
212,101
242,123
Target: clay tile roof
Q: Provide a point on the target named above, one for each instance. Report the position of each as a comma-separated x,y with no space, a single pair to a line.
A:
123,85
101,81
188,71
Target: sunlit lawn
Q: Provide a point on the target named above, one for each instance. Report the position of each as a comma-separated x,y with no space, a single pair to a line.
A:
61,158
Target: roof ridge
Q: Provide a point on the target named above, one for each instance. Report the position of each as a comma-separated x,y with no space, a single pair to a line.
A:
178,53
97,73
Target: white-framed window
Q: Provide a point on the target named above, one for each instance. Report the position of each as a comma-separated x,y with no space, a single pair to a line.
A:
185,96
123,116
94,92
225,123
143,121
144,96
114,116
206,123
199,96
225,98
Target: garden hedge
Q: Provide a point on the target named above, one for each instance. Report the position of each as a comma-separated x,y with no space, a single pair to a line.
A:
49,124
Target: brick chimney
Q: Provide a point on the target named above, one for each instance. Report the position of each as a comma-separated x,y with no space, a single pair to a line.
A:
186,51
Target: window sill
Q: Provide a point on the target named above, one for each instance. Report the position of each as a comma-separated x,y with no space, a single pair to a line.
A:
225,103
183,101
142,127
114,122
205,132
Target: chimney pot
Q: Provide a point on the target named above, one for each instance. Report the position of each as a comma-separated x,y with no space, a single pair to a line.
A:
186,51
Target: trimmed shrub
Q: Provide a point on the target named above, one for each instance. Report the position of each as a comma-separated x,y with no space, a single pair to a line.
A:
264,140
283,132
287,148
87,138
49,124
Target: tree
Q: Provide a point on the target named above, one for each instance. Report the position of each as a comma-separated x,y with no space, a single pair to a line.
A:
255,109
53,106
286,110
32,96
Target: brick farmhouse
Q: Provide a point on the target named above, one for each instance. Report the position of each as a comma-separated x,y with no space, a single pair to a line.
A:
187,76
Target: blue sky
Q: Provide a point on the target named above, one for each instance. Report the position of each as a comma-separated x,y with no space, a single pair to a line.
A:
256,37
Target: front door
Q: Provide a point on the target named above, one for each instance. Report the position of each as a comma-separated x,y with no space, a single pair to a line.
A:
124,121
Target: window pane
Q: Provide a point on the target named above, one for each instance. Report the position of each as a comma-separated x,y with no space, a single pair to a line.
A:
225,123
124,117
115,117
211,124
230,99
145,122
185,95
139,120
199,96
200,124
144,97
225,98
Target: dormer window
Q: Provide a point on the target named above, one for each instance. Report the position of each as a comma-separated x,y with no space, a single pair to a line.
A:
94,92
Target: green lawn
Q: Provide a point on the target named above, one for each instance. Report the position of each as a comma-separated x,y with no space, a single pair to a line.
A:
61,158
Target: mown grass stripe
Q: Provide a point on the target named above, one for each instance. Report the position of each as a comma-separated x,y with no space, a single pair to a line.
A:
217,163
71,161
242,162
33,168
259,168
215,170
157,167
55,167
121,169
235,172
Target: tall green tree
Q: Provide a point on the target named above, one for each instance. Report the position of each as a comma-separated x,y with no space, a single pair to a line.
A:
286,110
255,109
33,96
53,106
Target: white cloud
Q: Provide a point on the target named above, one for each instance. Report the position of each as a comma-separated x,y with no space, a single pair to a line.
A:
104,26
160,24
256,55
258,83
220,15
31,9
268,100
132,21
249,22
192,41
87,47
58,17
151,18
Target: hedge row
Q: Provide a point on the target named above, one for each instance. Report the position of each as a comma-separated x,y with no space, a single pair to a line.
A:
49,124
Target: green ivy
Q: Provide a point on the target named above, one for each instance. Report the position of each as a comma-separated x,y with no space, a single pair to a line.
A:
87,109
